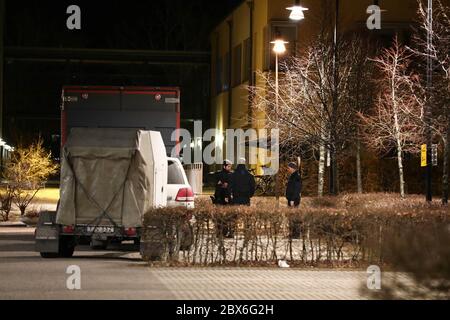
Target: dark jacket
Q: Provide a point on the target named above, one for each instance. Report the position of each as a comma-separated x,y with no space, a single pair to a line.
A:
223,187
294,187
243,183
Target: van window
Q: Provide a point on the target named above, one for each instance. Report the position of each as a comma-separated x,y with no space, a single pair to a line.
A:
175,174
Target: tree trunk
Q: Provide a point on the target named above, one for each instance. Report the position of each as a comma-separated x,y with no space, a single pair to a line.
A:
358,166
445,173
334,180
400,170
321,179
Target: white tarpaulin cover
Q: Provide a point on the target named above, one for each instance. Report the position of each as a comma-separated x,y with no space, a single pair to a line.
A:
111,176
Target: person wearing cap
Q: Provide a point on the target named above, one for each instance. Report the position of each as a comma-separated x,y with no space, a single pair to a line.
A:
243,185
294,186
222,194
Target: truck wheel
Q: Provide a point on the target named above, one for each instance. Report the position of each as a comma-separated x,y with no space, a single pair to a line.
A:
47,255
66,247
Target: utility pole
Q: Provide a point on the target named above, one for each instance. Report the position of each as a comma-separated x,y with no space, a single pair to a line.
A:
429,111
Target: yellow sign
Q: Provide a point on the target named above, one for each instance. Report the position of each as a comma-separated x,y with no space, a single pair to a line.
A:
424,155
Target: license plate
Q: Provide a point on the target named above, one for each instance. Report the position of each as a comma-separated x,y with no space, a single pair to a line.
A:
100,229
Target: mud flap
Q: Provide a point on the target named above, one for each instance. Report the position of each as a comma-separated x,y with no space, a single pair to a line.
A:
47,234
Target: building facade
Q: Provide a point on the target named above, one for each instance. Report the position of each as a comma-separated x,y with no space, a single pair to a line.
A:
241,45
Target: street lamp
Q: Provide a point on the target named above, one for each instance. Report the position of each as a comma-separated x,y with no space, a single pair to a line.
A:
279,47
297,13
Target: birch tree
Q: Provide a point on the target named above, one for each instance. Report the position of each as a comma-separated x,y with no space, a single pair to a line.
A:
392,124
439,95
304,113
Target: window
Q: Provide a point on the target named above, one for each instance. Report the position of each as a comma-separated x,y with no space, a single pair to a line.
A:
219,75
226,73
284,30
237,65
175,175
247,60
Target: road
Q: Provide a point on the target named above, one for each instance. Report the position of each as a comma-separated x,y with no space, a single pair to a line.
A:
121,275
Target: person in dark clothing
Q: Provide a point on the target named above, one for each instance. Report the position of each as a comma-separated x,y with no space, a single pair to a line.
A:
294,186
222,195
293,196
243,185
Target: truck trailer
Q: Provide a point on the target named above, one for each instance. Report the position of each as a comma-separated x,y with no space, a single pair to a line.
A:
109,179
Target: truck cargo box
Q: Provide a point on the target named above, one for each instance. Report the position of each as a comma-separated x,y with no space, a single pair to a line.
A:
111,177
140,108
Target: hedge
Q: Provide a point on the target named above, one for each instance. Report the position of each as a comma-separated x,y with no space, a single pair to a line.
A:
336,232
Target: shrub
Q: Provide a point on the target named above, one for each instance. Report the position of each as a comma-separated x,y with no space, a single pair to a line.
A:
27,171
355,232
6,198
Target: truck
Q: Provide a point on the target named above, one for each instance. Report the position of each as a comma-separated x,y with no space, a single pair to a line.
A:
141,108
108,134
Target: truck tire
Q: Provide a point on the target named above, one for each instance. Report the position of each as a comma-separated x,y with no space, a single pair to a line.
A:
66,247
47,255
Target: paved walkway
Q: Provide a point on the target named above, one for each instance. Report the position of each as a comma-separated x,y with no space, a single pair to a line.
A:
122,275
261,284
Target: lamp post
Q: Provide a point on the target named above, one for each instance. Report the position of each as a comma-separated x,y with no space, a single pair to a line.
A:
279,47
333,163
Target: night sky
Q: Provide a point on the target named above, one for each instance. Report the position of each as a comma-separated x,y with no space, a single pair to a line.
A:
155,24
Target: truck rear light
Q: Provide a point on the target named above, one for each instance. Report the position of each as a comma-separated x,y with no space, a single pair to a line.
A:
185,195
131,232
68,229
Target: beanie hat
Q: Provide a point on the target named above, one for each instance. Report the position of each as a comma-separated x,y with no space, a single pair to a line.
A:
242,161
293,165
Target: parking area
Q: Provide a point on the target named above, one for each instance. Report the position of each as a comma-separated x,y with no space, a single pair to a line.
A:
120,274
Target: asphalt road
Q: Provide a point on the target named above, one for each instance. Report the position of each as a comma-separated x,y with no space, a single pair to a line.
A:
121,275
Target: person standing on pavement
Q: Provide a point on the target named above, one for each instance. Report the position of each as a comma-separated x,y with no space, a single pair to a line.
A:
294,186
243,185
222,195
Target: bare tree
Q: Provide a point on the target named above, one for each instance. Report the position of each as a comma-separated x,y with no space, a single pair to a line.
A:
439,95
305,114
392,124
362,96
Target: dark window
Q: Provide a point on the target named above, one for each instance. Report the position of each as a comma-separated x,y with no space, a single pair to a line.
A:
284,31
247,60
175,176
219,75
237,65
226,73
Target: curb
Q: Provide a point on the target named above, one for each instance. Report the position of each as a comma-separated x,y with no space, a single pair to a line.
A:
12,225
